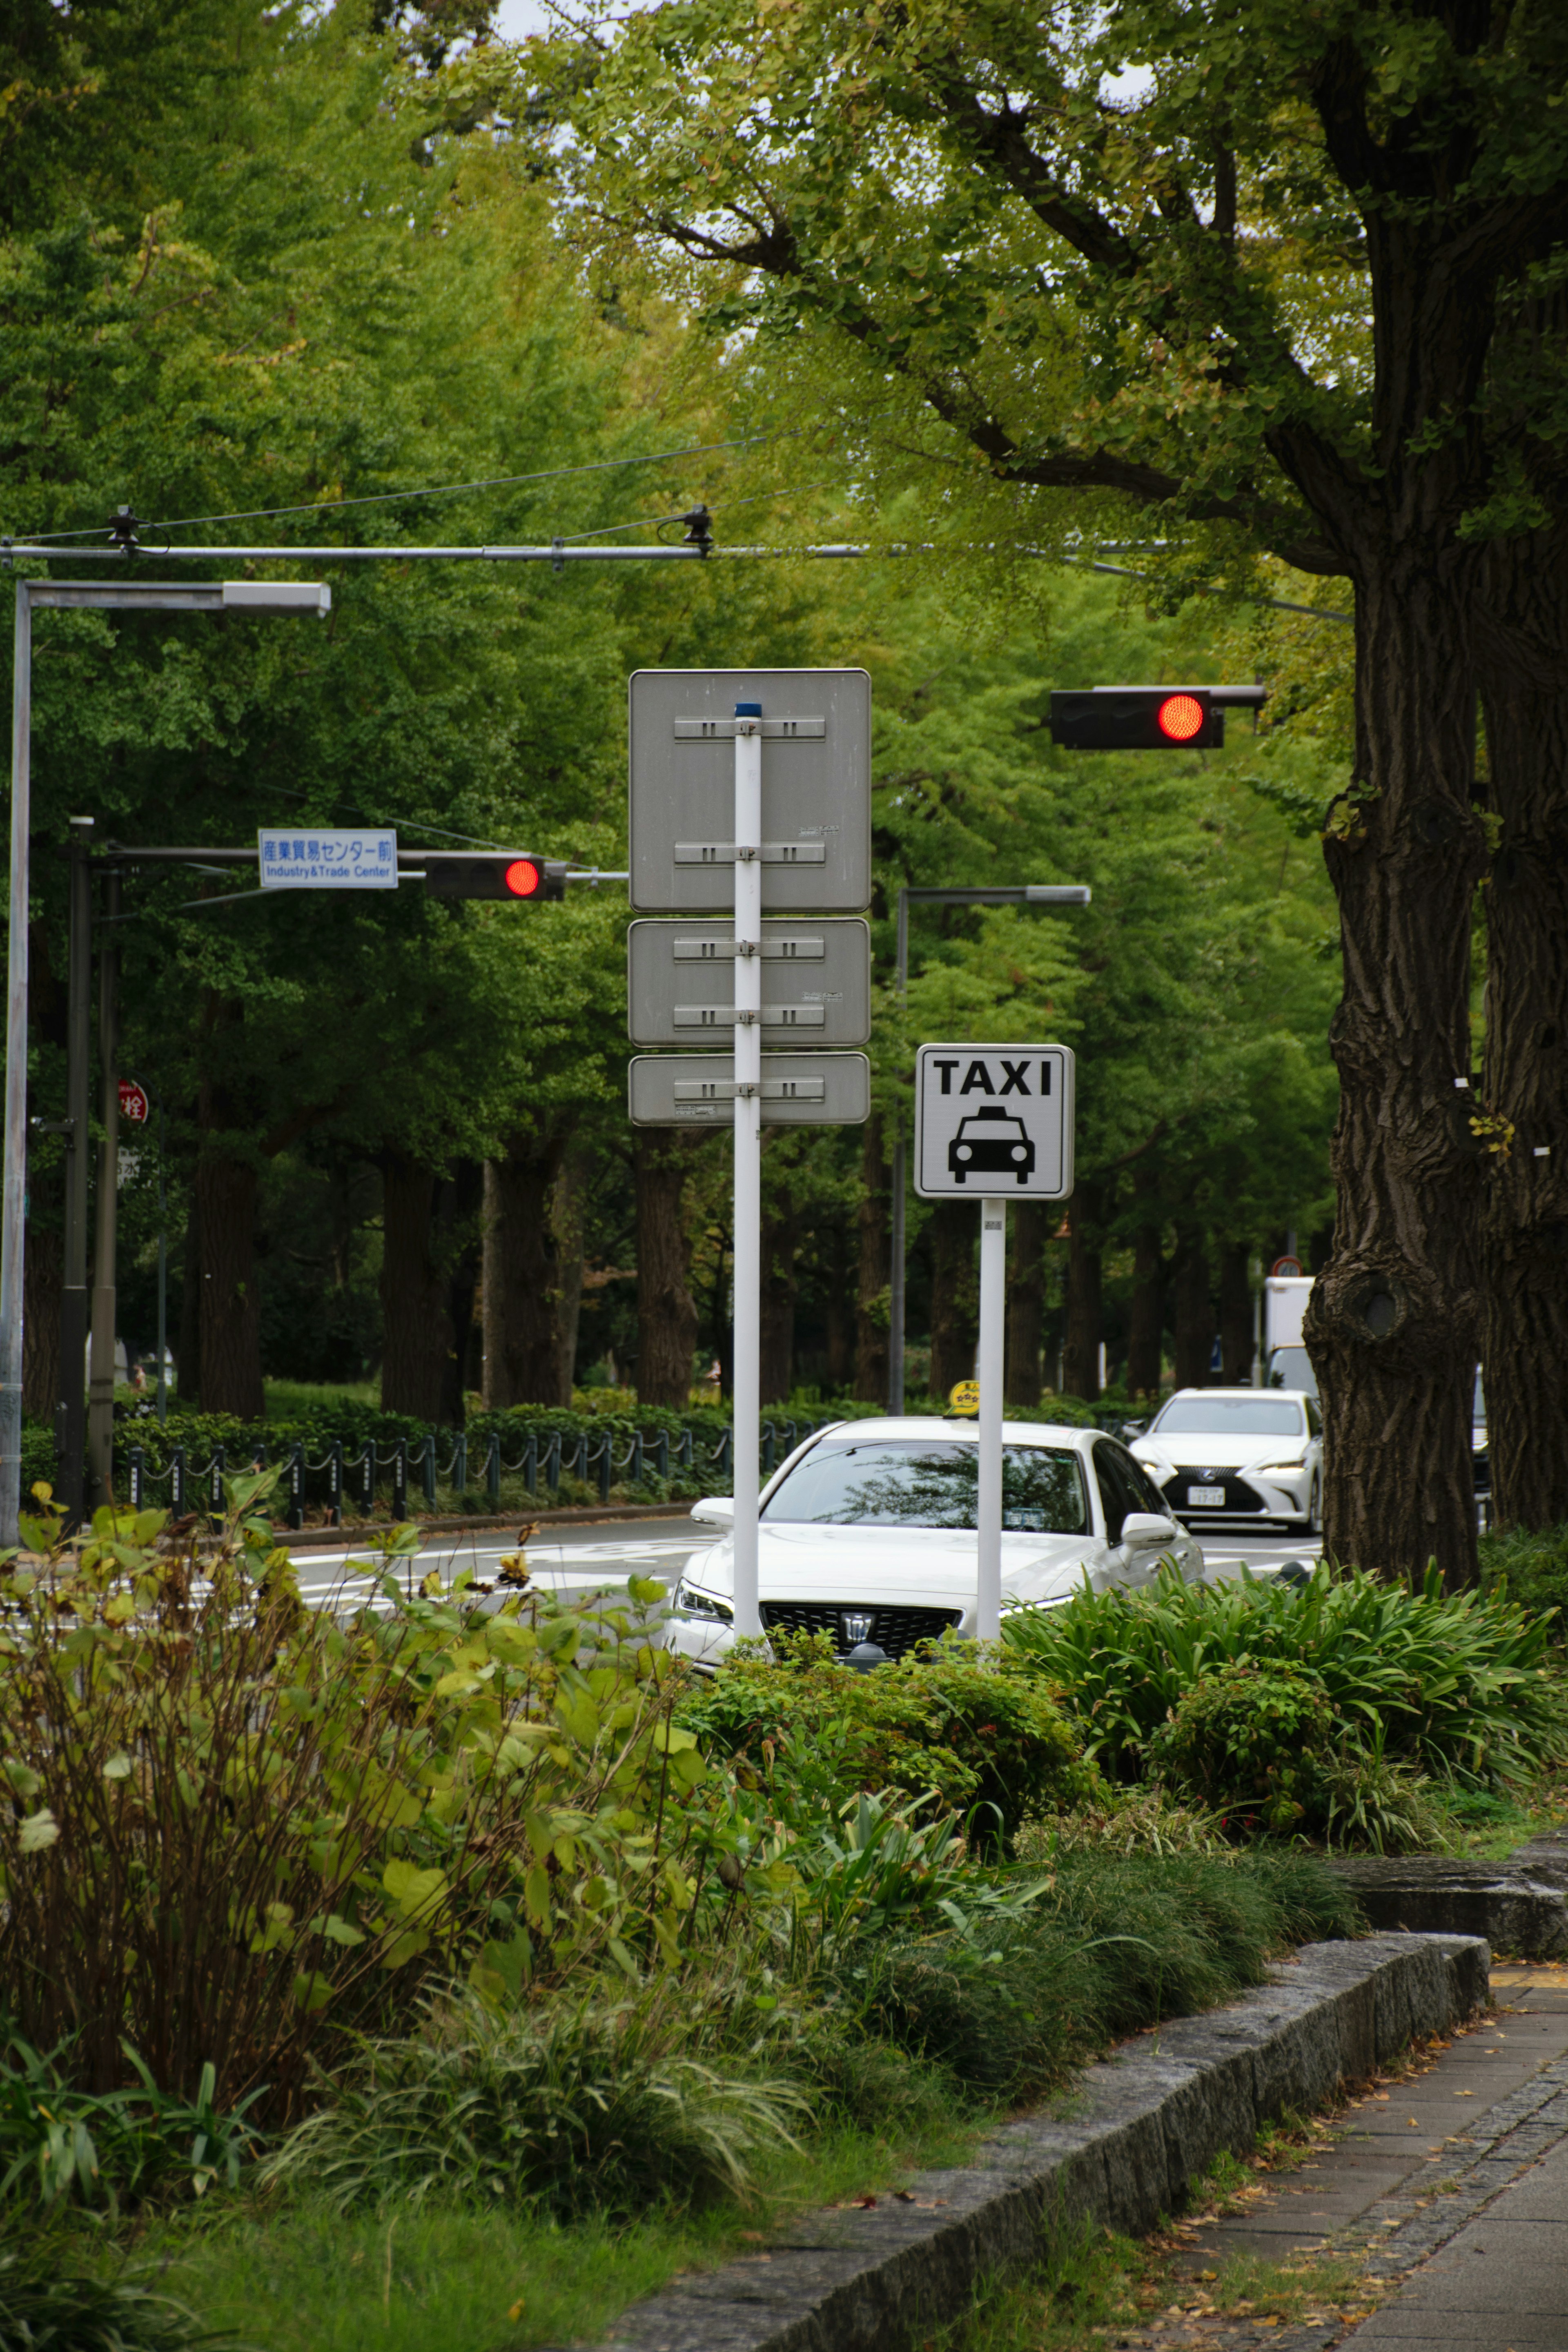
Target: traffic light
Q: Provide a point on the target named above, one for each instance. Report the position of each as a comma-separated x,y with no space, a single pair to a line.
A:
500,874
1139,718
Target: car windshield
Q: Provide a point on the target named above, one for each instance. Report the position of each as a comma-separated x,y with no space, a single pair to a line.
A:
1292,1367
924,1483
1253,1416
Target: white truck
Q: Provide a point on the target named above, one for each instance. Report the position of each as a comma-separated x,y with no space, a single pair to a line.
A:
1282,1361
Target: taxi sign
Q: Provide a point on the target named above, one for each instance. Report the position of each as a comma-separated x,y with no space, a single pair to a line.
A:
993,1121
963,1397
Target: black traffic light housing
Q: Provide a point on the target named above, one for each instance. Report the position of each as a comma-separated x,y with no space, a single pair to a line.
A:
511,874
1147,718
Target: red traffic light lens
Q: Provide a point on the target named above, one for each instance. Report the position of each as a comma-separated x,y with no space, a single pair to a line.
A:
522,878
1180,717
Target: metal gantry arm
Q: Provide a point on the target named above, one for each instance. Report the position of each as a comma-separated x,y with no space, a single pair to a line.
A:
1011,894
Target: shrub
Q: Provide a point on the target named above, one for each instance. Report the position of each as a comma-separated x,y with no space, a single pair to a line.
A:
1529,1566
1250,1737
46,2308
598,2106
975,1731
61,2145
239,1827
1446,1683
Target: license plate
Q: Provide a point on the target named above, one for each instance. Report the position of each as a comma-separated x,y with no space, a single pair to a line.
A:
1205,1498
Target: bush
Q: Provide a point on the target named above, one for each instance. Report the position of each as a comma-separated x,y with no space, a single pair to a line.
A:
46,2308
60,2145
1529,1567
1450,1683
239,1828
975,1731
594,2106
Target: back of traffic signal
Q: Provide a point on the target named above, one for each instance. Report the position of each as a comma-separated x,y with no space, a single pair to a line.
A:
1147,718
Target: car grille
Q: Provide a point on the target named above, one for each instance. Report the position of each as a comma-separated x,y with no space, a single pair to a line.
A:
1239,1495
896,1632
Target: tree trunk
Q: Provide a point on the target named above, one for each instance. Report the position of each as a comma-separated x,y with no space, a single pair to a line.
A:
1080,1348
226,1191
1192,1314
1523,640
1027,1303
188,1358
1392,1319
873,1286
416,1345
839,1309
567,1208
457,1244
1146,1324
1236,1313
667,1312
522,1334
954,1293
43,1271
777,1317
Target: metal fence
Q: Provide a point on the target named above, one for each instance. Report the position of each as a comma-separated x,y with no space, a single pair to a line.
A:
547,1457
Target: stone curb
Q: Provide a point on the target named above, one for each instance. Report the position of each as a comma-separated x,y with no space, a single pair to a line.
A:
1517,1905
1119,2152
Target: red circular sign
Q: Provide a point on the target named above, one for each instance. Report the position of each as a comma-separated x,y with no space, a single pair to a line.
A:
1287,1266
134,1106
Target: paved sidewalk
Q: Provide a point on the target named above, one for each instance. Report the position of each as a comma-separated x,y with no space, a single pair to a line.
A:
1449,2188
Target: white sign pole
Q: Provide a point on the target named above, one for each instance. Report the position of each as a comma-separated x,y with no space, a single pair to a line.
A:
993,1313
746,1377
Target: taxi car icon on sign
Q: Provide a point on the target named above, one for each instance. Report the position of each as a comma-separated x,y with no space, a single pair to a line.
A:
990,1142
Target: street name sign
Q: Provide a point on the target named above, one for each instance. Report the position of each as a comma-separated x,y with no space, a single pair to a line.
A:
814,847
306,857
797,1089
993,1121
816,982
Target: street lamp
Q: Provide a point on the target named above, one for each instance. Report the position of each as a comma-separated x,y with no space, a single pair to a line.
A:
1021,894
36,595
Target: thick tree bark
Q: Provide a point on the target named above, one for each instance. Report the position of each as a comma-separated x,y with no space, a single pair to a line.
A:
1080,1348
777,1304
188,1346
667,1312
567,1212
954,1293
43,1269
1394,1317
1146,1324
1522,636
457,1245
873,1287
1027,1303
1234,1312
837,1272
416,1323
522,1288
1192,1314
226,1191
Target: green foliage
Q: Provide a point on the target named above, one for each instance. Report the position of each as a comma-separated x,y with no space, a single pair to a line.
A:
280,1821
592,2107
1529,1566
46,2307
59,2144
988,1743
1448,1683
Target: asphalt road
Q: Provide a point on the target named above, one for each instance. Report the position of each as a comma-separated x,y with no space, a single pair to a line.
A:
582,1559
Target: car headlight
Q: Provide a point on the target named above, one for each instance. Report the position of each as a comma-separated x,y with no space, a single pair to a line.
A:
1277,1469
691,1603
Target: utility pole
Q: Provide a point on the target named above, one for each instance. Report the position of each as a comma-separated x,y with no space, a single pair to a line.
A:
101,1381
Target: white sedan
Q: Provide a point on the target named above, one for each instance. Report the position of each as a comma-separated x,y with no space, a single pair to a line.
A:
1237,1454
868,1534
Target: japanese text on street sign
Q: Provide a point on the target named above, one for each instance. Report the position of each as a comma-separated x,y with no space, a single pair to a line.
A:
321,860
994,1119
134,1106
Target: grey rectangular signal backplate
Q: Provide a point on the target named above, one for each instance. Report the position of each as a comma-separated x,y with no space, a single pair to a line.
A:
817,982
798,1089
816,789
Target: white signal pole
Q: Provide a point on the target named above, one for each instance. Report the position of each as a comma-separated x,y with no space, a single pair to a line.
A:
746,1380
993,1317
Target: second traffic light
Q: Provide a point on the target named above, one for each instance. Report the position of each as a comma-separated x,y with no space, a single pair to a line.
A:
1137,718
500,874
